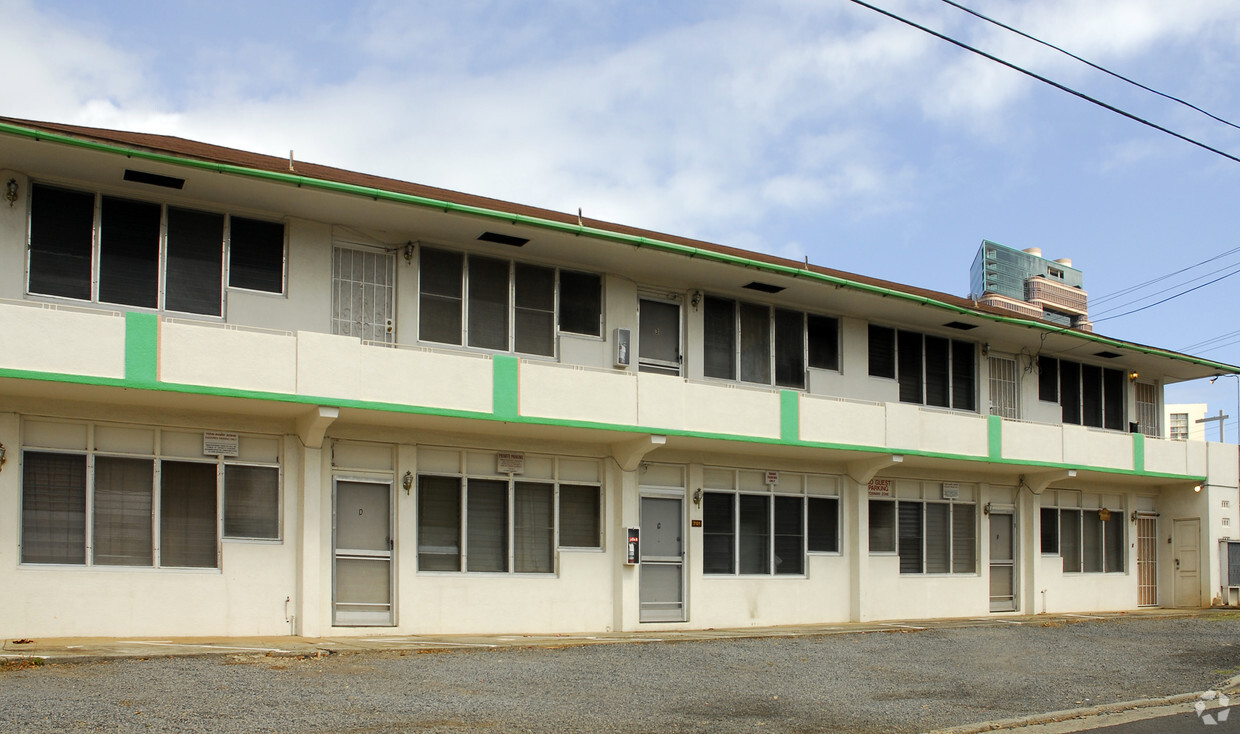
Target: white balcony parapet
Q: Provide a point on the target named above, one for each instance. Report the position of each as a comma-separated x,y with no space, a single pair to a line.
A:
53,338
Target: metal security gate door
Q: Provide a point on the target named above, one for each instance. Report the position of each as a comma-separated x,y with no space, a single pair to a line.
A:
362,554
1002,563
363,293
1147,561
661,581
658,337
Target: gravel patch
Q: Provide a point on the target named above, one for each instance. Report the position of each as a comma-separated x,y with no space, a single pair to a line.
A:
899,681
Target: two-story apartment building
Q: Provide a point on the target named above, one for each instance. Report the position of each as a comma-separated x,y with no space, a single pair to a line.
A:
246,395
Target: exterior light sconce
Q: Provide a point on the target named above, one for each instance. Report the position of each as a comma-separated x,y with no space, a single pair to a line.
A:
409,253
986,350
697,496
407,481
986,509
3,451
1133,516
10,191
1197,488
695,299
1132,376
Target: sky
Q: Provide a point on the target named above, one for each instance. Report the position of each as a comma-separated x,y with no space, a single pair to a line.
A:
802,128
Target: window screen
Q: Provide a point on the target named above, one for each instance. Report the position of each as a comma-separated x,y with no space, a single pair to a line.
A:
579,517
256,255
1050,530
824,342
488,303
129,252
882,526
1091,542
1091,395
789,348
1070,391
719,338
938,537
534,314
195,261
533,528
964,539
251,502
910,529
964,376
824,524
910,360
1070,540
487,522
121,524
1113,393
755,533
1048,379
188,521
581,302
718,533
882,351
789,535
1113,547
938,366
53,508
439,306
439,523
755,343
62,225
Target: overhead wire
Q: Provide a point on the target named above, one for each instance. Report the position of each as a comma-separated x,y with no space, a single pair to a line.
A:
1139,299
1048,81
1168,298
1089,63
1111,296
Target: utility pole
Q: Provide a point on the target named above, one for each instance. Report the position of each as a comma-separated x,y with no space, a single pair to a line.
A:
1220,418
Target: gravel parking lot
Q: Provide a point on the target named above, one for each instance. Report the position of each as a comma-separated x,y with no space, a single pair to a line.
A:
862,682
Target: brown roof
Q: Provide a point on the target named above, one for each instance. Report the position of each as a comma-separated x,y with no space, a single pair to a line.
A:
192,149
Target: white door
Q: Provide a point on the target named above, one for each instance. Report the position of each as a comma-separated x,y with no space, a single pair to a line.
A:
1002,562
363,294
362,554
661,580
1186,545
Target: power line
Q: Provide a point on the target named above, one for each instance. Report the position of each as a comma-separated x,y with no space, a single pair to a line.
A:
1168,298
1138,299
1090,64
1051,82
1110,296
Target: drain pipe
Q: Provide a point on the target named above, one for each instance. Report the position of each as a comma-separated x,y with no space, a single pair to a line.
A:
290,618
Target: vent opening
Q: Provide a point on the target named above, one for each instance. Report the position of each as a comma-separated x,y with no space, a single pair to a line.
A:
503,239
154,179
763,287
962,326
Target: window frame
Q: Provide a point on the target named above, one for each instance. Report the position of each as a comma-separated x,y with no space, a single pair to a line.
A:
1111,392
900,536
804,349
511,481
1076,542
902,355
512,309
164,246
736,498
157,458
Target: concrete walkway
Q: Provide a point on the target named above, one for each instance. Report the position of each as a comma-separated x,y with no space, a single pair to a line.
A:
72,650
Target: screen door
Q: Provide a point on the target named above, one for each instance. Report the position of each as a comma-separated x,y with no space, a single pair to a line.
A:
1002,563
661,582
362,554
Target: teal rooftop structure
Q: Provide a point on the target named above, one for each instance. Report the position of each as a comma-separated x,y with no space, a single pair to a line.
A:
1025,282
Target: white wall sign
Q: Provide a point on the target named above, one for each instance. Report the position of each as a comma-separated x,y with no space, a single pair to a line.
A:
510,463
880,487
772,478
218,443
951,490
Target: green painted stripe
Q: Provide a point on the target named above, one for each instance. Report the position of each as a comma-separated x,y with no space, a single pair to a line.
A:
506,387
141,348
593,232
994,437
1138,452
790,416
509,397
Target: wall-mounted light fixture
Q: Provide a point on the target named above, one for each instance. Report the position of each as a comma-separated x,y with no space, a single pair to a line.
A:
409,252
1197,488
1132,376
986,509
10,191
3,451
695,299
697,496
407,481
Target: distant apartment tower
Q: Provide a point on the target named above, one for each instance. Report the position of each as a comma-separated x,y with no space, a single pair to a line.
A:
1025,282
